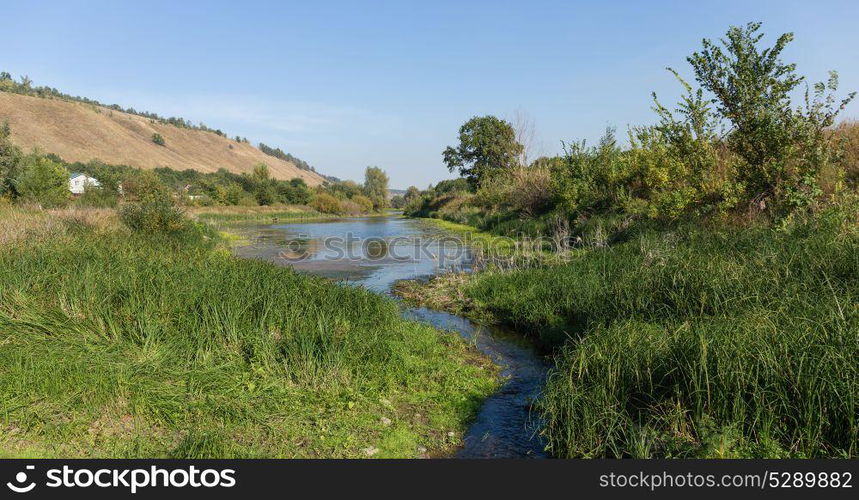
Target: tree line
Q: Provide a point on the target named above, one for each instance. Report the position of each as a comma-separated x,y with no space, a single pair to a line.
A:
43,179
737,146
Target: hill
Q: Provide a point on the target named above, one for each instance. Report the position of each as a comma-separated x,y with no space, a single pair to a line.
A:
78,131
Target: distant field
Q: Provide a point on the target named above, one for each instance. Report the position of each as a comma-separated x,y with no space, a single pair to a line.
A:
83,132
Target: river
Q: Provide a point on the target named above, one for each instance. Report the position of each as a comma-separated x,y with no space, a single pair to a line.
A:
376,252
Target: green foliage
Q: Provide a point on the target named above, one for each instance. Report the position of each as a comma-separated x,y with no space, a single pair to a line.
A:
158,216
676,337
343,189
412,193
153,209
43,181
97,197
10,158
295,191
364,203
775,158
158,139
487,145
398,201
326,204
376,187
261,174
589,179
782,149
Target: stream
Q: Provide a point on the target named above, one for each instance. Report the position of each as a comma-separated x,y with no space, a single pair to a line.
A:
376,252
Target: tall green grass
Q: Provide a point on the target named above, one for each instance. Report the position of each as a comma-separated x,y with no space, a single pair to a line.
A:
119,345
697,342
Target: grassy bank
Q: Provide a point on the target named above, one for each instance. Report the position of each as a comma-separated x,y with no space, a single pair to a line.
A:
695,342
118,345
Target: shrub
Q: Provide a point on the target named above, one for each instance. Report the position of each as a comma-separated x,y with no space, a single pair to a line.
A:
327,204
143,186
364,204
154,216
782,148
158,139
10,158
43,181
97,197
246,200
153,210
349,207
266,195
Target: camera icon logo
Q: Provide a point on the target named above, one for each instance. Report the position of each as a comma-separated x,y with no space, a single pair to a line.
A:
20,479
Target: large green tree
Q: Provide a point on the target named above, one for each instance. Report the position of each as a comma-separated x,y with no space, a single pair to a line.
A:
376,187
487,145
780,145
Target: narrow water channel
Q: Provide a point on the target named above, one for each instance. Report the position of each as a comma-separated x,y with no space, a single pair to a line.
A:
376,252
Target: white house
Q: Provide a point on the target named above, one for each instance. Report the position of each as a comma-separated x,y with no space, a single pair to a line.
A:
78,182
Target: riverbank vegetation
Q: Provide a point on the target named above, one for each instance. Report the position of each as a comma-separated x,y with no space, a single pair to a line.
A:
709,308
135,335
42,179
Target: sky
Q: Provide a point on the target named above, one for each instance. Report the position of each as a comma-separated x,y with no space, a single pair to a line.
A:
347,84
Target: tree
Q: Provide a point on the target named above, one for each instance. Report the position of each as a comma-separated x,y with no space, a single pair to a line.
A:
752,89
264,186
260,173
398,201
326,204
376,187
295,191
42,181
145,186
486,145
158,139
10,157
412,193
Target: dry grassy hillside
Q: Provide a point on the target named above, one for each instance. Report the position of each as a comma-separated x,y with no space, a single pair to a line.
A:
83,132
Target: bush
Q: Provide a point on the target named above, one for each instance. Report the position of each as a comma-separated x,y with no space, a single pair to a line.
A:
155,216
10,159
846,139
327,204
43,181
153,210
97,197
365,204
158,139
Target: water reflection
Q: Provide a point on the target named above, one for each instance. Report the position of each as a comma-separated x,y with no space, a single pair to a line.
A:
375,252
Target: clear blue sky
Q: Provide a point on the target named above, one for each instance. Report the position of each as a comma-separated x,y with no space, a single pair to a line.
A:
344,85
